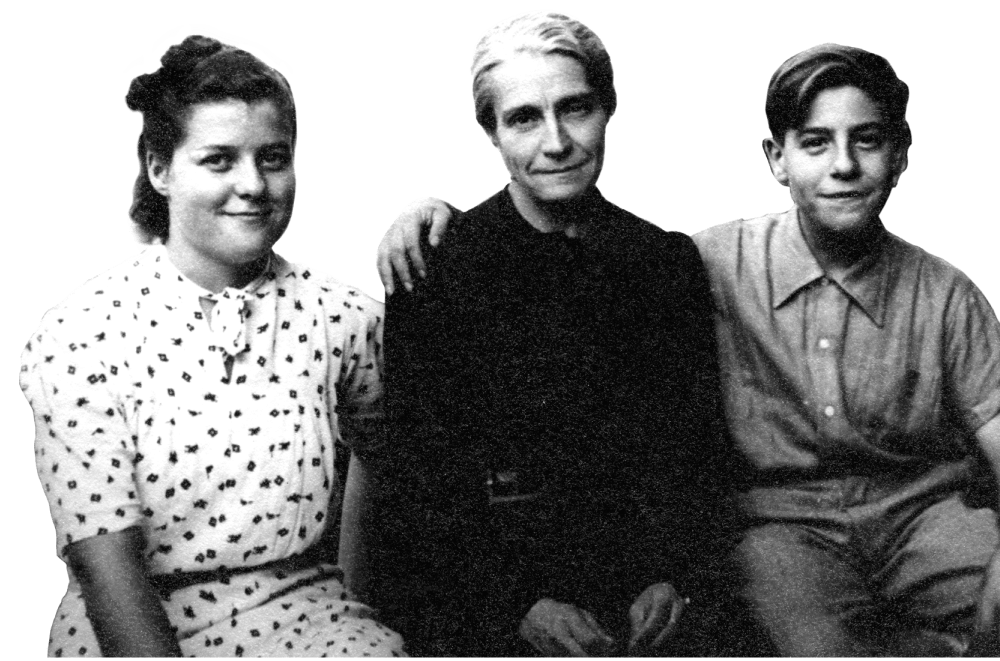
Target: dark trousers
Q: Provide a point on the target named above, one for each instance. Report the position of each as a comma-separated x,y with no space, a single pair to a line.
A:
864,566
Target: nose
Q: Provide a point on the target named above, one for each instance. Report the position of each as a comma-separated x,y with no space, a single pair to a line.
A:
845,161
556,142
249,182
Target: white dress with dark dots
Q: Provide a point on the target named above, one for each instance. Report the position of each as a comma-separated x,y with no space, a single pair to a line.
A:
231,475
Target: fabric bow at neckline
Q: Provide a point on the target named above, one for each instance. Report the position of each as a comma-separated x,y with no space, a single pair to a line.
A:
228,321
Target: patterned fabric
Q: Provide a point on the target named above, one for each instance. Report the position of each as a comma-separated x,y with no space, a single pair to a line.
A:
141,422
888,368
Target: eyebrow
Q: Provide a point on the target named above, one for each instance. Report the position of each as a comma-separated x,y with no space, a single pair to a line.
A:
226,147
854,129
574,98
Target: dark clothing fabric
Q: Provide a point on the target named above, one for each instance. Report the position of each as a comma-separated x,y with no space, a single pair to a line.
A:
585,367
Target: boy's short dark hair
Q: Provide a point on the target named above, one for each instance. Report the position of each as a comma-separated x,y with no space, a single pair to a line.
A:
802,77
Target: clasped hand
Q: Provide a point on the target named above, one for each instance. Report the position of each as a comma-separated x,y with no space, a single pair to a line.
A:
557,629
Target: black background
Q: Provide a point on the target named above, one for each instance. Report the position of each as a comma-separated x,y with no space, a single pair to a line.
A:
385,115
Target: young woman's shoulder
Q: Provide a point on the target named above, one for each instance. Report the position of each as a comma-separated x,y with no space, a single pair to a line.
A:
341,302
103,301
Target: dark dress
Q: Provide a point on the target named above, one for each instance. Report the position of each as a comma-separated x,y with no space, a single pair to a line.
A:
557,426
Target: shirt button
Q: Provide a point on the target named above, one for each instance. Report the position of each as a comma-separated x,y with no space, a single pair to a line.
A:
829,411
824,343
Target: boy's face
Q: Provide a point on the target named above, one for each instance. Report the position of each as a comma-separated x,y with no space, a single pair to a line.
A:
840,165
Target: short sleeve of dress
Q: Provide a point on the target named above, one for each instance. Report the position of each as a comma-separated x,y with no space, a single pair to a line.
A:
973,355
84,451
360,410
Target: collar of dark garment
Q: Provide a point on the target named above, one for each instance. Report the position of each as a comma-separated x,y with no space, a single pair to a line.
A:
592,212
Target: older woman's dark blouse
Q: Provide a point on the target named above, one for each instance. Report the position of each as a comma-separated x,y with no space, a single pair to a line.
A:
586,366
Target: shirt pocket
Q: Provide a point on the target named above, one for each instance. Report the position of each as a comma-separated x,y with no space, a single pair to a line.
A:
900,409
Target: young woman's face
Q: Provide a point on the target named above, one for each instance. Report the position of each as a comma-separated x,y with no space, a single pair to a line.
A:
230,187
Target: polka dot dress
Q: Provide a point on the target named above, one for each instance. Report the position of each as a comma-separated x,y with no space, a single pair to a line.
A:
210,420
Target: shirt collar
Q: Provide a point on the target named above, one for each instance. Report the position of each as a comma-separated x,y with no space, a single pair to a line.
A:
865,282
186,289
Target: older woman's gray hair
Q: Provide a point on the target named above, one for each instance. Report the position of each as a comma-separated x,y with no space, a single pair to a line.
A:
543,34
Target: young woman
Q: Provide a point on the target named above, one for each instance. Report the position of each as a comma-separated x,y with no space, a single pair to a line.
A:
187,403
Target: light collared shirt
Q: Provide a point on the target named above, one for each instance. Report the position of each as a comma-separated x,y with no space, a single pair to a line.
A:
893,365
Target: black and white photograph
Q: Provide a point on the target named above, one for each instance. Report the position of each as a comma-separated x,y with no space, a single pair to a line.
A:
534,329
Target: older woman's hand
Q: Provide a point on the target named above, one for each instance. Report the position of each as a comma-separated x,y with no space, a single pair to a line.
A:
400,247
557,629
654,617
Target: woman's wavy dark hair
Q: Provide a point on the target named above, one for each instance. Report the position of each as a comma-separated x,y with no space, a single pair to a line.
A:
197,70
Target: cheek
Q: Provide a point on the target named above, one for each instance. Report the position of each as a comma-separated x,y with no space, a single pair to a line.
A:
804,177
515,154
880,170
201,194
283,188
595,138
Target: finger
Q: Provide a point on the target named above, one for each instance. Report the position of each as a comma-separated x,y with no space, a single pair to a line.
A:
606,640
675,617
402,269
439,223
661,618
592,635
569,639
384,267
409,244
417,258
638,613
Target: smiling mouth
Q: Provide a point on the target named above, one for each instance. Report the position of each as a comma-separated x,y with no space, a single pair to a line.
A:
570,168
847,195
264,213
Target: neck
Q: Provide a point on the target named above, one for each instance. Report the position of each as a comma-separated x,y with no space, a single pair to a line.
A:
211,275
837,252
564,216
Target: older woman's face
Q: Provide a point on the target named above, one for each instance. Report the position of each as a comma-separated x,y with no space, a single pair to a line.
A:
230,185
550,126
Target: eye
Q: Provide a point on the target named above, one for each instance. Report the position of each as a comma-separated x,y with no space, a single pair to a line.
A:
217,161
522,119
579,108
275,159
871,140
812,143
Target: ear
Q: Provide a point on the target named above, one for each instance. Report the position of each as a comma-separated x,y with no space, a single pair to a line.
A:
900,161
775,154
493,138
158,172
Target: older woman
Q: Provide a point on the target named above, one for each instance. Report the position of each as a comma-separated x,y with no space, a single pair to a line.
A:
187,403
555,393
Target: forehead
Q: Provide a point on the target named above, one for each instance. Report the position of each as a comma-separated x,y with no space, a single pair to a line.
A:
234,121
838,107
532,79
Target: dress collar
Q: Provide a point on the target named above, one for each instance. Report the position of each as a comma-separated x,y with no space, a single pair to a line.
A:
593,212
229,308
795,267
176,283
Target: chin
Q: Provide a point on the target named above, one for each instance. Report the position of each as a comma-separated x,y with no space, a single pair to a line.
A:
563,194
247,255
